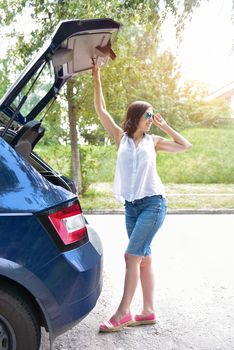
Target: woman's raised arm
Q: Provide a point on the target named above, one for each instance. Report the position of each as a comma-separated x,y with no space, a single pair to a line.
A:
99,102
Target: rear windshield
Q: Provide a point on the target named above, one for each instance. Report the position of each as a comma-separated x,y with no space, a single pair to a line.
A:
36,88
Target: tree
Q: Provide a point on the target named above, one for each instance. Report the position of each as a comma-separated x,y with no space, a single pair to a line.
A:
47,13
4,76
198,109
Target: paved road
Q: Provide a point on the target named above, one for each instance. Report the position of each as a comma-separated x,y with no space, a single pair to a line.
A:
194,265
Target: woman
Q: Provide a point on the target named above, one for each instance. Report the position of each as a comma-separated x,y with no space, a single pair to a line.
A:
139,187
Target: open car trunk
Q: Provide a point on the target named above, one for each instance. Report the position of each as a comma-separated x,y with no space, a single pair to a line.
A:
72,49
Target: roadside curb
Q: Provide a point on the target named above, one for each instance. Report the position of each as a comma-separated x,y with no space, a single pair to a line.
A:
170,211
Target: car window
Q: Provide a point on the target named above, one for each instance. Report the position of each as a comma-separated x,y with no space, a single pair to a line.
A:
35,89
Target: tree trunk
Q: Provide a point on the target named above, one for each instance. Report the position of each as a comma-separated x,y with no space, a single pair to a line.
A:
72,111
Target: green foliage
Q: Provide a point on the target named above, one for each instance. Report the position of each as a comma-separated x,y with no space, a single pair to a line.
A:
140,71
57,156
209,161
97,162
89,165
198,110
137,41
4,76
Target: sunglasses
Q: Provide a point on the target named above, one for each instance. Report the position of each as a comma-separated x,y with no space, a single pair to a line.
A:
149,115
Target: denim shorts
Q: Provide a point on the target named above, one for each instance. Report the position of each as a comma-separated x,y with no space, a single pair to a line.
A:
143,218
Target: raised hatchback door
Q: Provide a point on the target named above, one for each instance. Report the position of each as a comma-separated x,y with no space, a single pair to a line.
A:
72,49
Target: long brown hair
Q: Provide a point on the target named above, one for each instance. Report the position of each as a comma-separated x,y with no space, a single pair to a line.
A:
134,113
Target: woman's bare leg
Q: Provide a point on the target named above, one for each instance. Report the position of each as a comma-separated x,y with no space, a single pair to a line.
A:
132,276
147,284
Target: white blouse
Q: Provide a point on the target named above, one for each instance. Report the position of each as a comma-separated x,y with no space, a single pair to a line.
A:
136,174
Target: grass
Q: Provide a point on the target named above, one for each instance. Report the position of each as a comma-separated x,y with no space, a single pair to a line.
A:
180,196
211,160
200,178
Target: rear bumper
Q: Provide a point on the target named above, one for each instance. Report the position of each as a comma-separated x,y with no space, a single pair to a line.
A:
74,313
75,280
66,285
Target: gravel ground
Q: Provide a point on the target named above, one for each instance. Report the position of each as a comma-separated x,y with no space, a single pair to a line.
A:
194,265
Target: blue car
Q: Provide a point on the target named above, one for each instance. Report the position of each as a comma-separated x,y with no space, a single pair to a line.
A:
50,257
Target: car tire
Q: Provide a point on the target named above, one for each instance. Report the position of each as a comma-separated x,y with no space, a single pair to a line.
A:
19,327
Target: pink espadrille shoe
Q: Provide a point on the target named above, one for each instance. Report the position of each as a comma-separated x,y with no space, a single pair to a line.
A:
113,326
141,319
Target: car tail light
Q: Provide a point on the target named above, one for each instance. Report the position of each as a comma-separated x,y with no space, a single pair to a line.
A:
69,224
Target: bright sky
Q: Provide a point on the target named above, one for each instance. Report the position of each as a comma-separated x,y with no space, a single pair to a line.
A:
206,50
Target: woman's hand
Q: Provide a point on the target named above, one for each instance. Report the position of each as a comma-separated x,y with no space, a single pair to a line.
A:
178,143
159,121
